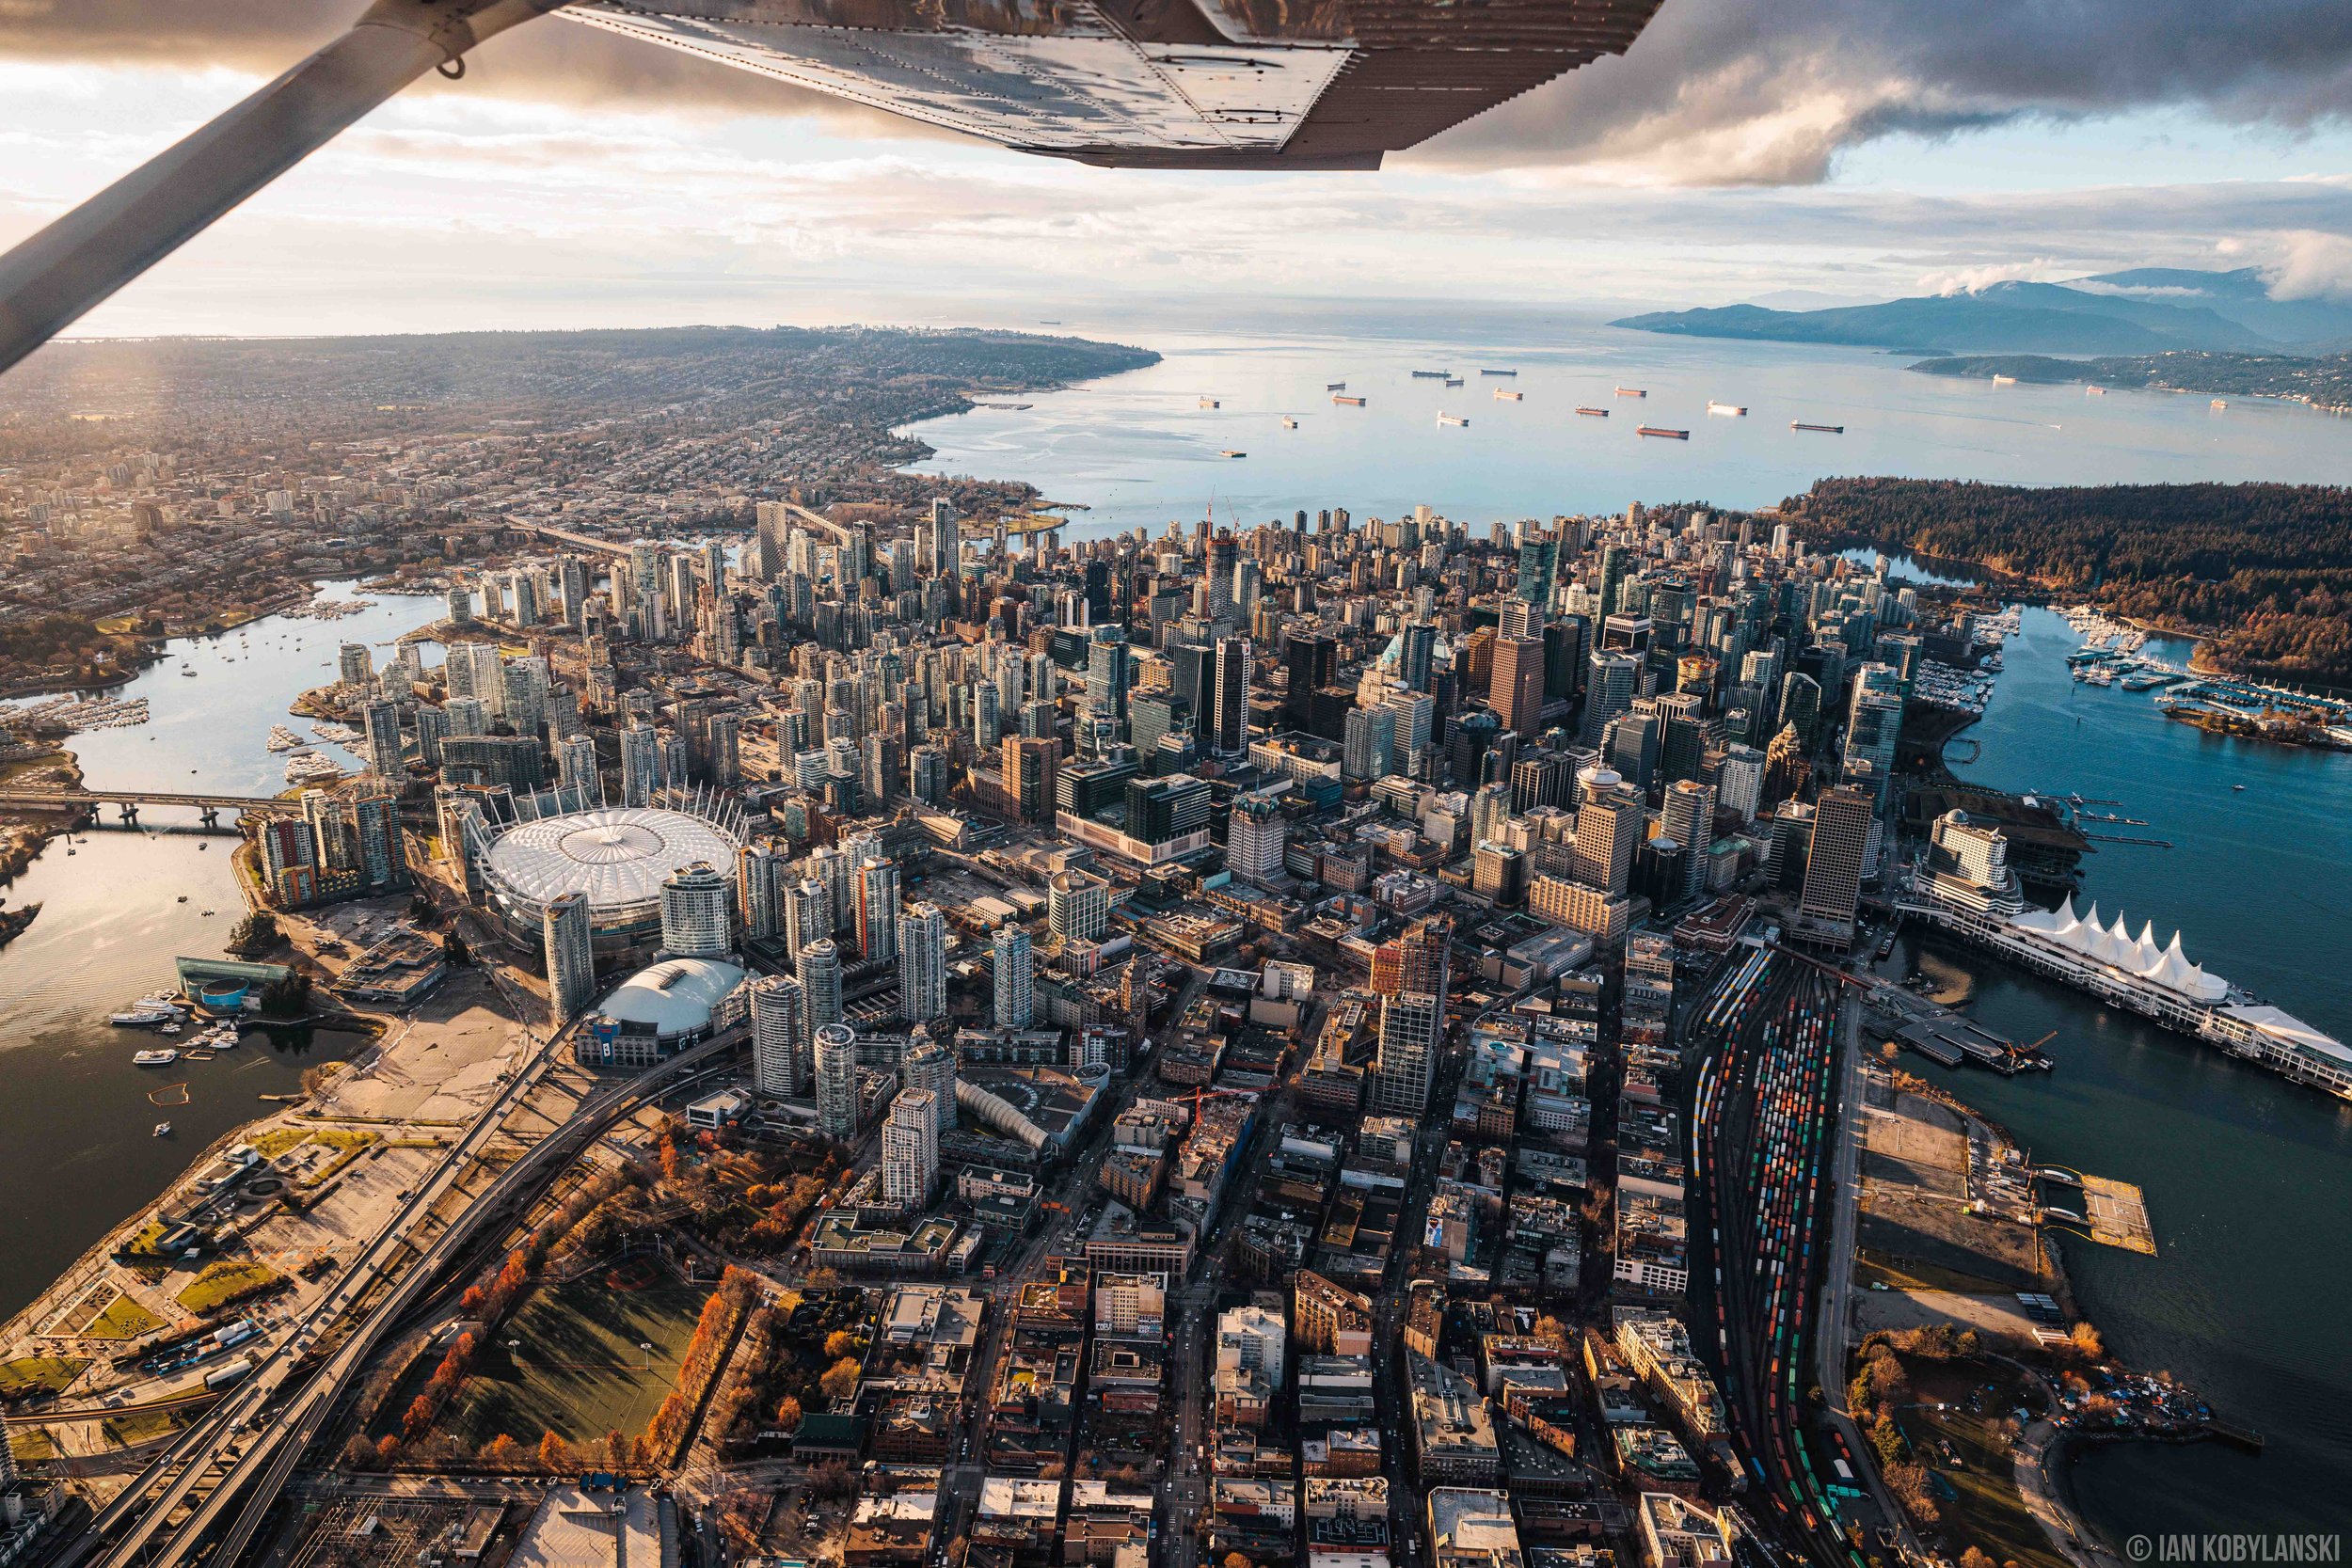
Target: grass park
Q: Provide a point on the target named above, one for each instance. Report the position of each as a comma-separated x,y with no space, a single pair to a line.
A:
122,1319
219,1284
29,1375
578,1370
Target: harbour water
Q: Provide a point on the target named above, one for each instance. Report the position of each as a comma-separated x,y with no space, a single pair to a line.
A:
2248,1179
77,1153
1138,450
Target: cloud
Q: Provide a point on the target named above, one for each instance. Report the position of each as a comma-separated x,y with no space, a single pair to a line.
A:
2313,266
1759,92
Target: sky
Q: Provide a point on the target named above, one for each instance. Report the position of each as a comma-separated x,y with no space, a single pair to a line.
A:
1791,151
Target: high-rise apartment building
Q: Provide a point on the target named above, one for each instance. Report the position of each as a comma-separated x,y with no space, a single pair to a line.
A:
1015,978
1078,906
922,963
835,1046
1230,724
571,959
1255,838
782,1049
697,907
1835,863
820,976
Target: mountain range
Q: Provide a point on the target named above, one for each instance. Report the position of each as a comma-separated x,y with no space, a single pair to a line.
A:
2140,310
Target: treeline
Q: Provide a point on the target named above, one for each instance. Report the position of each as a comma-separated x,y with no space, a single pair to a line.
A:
2264,570
2325,382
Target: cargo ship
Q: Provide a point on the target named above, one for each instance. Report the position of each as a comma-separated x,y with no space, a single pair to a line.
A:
1232,453
1349,402
2094,391
2221,402
1633,391
1210,402
1335,386
1498,373
1454,420
1504,394
1432,375
1289,424
1824,429
1454,381
1735,409
2004,380
1661,430
1595,413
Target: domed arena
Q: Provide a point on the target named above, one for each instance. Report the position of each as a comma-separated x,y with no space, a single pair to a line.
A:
616,856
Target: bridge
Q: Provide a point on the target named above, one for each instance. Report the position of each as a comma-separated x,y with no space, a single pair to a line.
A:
84,804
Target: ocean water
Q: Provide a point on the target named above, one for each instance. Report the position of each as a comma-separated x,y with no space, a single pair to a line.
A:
1138,450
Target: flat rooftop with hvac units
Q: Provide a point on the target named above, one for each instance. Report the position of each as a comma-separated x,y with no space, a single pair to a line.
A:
617,857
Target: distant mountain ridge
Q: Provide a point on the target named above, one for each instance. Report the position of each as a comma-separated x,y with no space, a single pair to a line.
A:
2140,310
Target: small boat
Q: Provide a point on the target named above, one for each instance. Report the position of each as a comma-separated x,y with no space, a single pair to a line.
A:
190,674
2221,402
163,1129
1456,420
2004,380
154,1058
143,1017
2237,787
169,1029
184,898
2094,391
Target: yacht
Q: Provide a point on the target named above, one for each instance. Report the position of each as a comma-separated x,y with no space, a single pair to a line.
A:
143,1017
163,1129
154,1058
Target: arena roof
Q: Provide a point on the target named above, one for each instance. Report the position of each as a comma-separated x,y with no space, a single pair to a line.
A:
674,997
618,855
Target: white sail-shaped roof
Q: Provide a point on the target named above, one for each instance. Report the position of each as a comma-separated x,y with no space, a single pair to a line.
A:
2115,947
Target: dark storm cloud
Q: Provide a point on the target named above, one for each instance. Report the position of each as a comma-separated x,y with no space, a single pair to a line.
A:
1717,92
1769,91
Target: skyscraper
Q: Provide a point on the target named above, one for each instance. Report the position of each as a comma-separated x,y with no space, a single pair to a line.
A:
759,888
909,1161
922,963
696,913
1078,906
878,910
382,739
835,1049
1369,750
1833,864
820,976
1015,994
1688,818
1107,674
1230,732
930,1068
641,764
1255,837
570,955
1310,660
1608,825
1516,692
781,1045
1410,1022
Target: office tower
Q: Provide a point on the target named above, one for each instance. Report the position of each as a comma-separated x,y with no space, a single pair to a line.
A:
1255,837
909,1161
354,668
1874,722
1418,644
1015,994
1612,681
1688,818
1833,862
1230,736
1078,906
382,719
1612,577
1309,661
1410,1023
1369,750
878,910
1108,674
780,1046
930,1068
1628,744
1540,779
1608,825
1800,706
1516,693
641,764
1161,810
820,978
1537,555
575,764
725,750
432,729
1416,724
759,874
570,955
697,913
1031,776
459,601
834,1046
922,939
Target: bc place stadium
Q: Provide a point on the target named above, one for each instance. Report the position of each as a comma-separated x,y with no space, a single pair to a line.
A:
617,857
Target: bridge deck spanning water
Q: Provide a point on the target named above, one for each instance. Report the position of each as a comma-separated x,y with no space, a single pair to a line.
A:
86,804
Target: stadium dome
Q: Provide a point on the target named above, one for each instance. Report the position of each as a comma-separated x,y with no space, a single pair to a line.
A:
673,1000
616,856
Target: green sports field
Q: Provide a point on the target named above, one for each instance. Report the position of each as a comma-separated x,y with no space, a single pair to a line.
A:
579,1372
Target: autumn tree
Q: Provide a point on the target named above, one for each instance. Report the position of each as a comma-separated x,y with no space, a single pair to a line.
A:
1975,1556
788,1413
839,1344
839,1381
555,1454
502,1453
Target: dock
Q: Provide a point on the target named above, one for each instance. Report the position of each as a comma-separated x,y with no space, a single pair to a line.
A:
2119,1215
1948,1039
